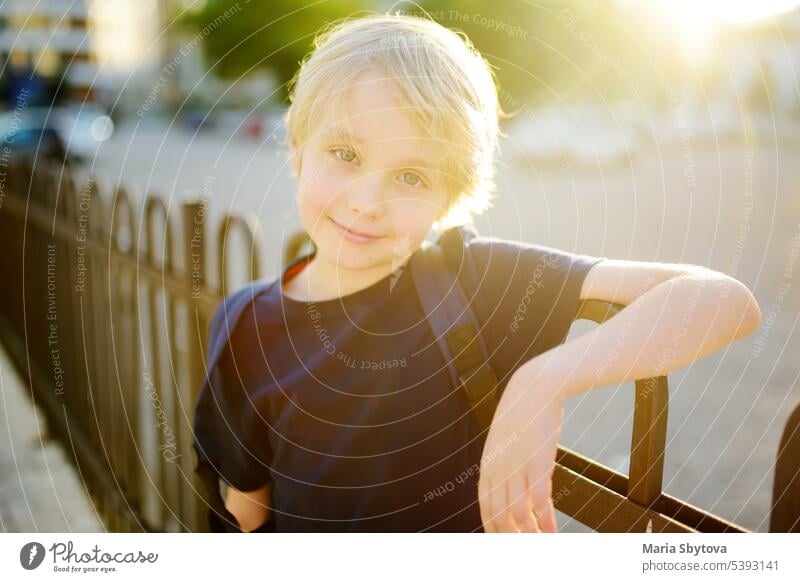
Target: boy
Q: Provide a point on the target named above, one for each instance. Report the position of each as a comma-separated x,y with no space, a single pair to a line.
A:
332,409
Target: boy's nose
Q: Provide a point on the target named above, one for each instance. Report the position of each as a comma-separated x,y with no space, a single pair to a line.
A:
365,197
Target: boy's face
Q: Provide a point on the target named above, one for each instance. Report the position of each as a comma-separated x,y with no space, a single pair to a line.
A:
369,198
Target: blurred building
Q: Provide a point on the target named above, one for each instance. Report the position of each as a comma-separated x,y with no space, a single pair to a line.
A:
77,50
765,64
46,48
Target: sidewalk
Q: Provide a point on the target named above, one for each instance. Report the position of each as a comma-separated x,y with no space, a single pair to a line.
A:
40,491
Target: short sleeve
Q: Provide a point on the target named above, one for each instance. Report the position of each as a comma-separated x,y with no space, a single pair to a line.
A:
228,425
527,298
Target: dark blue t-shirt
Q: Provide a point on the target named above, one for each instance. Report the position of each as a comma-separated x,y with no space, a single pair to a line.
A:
346,405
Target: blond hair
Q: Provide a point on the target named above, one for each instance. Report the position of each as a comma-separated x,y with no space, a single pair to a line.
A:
443,80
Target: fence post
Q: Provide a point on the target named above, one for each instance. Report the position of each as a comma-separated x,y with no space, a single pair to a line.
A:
648,440
194,242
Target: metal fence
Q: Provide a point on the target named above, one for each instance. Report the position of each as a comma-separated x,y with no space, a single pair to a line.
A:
106,317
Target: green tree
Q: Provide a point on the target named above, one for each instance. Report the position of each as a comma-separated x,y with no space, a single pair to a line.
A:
274,35
539,51
542,48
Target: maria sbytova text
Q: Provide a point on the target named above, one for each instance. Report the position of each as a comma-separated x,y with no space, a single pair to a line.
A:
694,550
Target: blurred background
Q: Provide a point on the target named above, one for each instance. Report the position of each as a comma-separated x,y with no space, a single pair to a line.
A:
663,130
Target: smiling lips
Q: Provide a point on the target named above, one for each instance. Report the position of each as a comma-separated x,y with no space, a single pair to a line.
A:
353,236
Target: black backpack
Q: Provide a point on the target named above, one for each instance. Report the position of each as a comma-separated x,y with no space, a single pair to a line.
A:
447,298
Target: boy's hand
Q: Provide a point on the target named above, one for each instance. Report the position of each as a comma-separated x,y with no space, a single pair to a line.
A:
515,484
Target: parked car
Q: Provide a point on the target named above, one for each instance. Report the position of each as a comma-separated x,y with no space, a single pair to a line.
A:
70,134
31,134
83,128
576,137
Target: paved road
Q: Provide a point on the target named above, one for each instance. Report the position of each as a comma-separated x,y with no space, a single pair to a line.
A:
39,489
731,207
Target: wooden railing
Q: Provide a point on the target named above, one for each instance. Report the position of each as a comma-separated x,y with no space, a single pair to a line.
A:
609,501
81,276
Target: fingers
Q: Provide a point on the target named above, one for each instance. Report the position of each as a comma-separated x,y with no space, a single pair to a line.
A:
521,504
544,511
546,516
485,504
501,512
516,506
493,505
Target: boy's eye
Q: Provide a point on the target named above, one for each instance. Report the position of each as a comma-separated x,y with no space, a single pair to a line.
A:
411,179
345,154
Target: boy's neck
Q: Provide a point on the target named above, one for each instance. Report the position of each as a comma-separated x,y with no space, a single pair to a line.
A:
321,280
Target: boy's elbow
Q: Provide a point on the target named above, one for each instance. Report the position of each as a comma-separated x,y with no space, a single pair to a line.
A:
753,315
746,314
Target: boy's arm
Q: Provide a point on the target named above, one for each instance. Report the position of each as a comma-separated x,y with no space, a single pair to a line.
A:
675,315
250,508
682,317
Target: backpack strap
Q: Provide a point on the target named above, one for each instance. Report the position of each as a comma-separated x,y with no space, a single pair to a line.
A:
229,313
454,243
220,329
456,331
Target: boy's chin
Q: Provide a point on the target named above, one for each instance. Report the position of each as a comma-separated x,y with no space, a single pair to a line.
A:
355,259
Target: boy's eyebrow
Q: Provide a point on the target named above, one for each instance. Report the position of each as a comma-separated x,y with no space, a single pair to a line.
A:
343,134
338,133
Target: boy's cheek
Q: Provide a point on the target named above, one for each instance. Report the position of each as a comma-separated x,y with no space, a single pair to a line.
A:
318,197
416,217
318,176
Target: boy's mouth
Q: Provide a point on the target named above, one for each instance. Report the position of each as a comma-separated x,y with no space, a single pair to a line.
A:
354,236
